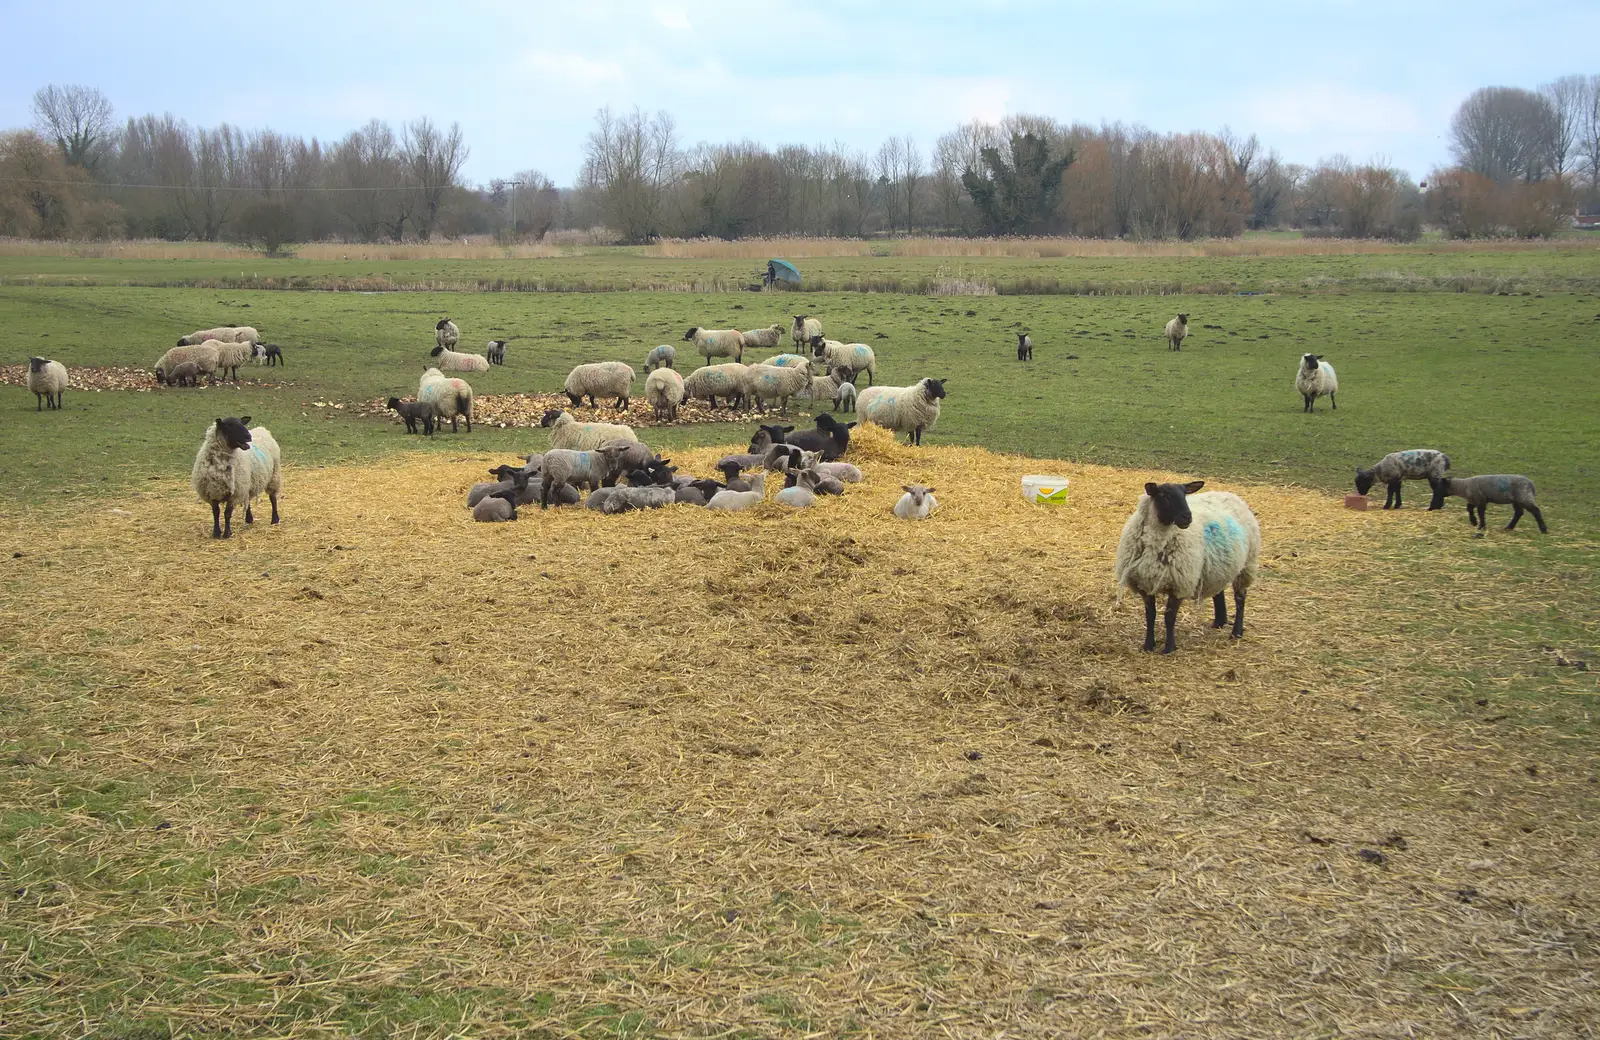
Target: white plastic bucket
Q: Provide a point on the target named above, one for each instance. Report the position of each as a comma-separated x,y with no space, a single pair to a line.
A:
1045,490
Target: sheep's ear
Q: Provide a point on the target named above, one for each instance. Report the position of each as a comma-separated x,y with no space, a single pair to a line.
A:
905,487
1151,487
245,419
1193,486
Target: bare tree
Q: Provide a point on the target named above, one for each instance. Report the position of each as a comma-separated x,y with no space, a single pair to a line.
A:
374,195
628,162
77,118
537,204
1589,132
1505,134
432,162
1566,96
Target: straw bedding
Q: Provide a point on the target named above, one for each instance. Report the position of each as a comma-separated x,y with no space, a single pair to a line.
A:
786,773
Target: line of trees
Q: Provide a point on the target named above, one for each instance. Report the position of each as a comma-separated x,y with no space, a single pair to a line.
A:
1523,160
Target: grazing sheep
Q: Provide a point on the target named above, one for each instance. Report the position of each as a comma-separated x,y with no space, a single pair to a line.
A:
734,501
496,352
445,334
599,379
567,432
224,334
764,339
204,356
1503,489
663,388
904,409
450,361
917,503
47,379
1315,378
1024,347
789,361
415,413
771,383
1177,329
713,381
589,470
230,356
450,397
804,330
269,354
857,357
710,343
497,506
186,374
1417,464
233,466
664,356
1188,546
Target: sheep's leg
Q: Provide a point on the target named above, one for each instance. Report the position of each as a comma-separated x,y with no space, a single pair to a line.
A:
38,402
1149,622
1219,607
216,519
1539,517
1516,514
1394,495
227,520
544,492
272,496
1238,612
249,515
1483,516
1171,620
1333,399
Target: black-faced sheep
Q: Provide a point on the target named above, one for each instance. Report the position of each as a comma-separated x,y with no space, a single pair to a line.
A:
599,379
445,334
1176,331
1024,347
415,413
48,380
450,361
1315,378
905,409
1506,489
451,398
1417,464
496,352
857,357
233,466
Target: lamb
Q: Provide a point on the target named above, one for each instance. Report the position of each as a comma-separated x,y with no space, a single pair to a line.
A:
233,466
270,354
204,356
804,330
627,456
496,352
1417,464
186,374
663,388
1502,489
1024,347
231,355
802,495
497,506
917,503
1315,378
1188,546
857,357
841,471
735,501
451,398
771,383
48,380
830,439
904,409
713,381
1176,331
223,334
710,343
567,432
450,361
445,334
766,338
582,469
624,499
845,399
664,356
599,379
415,413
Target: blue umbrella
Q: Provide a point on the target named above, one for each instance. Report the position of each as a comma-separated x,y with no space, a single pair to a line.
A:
783,271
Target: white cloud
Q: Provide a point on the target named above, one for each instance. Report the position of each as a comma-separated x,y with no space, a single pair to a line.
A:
572,71
1329,108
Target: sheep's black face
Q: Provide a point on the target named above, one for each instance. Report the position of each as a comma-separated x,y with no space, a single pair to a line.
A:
36,364
817,349
1171,502
1309,361
1183,319
1363,481
436,351
394,402
550,417
441,324
235,432
691,333
933,389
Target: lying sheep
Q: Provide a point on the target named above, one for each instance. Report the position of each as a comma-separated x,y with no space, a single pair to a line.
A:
450,361
48,380
415,413
1177,329
496,352
497,506
223,334
588,470
710,382
1315,378
1417,464
804,330
186,374
451,398
599,379
763,339
1024,347
917,503
802,495
734,501
664,356
445,334
663,388
204,356
904,409
1502,489
625,499
710,343
857,357
233,466
567,432
1188,546
841,471
771,383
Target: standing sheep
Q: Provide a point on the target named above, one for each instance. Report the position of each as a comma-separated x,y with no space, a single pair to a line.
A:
204,356
1505,489
1177,330
233,466
450,361
230,356
581,469
804,330
496,352
857,357
664,356
451,398
599,379
1024,347
186,374
710,343
445,334
415,414
1417,464
1164,551
223,334
771,383
663,388
48,380
904,409
567,432
713,381
1315,378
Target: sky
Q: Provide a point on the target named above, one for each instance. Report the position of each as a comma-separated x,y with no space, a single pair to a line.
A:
524,80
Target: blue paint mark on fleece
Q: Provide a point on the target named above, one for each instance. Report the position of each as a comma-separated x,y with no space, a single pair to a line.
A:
1223,538
1503,484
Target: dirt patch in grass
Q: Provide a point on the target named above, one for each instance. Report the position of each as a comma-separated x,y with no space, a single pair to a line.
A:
525,410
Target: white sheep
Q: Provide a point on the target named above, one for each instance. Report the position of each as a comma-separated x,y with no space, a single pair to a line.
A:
582,469
734,501
710,382
710,343
765,339
771,383
789,361
599,379
663,388
857,357
233,466
664,356
802,494
841,471
495,352
231,355
48,380
1315,378
224,334
450,397
1188,546
904,409
204,356
450,361
566,432
445,334
804,330
1177,329
917,503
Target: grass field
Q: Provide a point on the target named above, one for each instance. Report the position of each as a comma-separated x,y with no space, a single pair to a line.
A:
384,772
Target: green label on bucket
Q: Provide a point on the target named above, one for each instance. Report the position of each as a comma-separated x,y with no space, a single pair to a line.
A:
1050,495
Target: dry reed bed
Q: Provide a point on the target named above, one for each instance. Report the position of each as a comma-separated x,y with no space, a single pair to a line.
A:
795,774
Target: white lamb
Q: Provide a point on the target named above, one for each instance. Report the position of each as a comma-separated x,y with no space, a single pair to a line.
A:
917,503
1315,378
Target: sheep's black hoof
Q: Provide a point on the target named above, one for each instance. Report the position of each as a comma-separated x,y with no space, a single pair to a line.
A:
1220,623
1169,648
1237,633
1478,534
1149,646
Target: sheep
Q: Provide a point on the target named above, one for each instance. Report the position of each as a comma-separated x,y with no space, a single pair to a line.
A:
415,413
627,456
1188,546
857,357
599,379
623,499
804,330
585,469
1176,331
445,334
505,477
663,388
905,409
223,334
789,361
802,494
917,503
1315,378
664,356
766,338
270,354
234,465
450,361
771,383
710,343
567,432
1502,489
838,387
823,484
841,471
450,397
830,439
186,374
713,381
495,353
730,468
230,356
734,501
1024,347
204,356
1417,464
497,506
47,379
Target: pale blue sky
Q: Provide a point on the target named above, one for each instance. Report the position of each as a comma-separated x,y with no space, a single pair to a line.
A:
524,79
